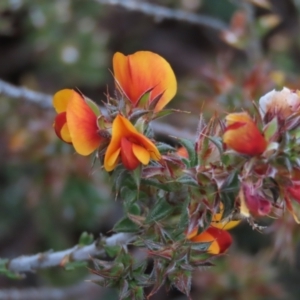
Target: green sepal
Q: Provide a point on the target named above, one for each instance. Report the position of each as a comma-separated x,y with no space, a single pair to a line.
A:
271,129
92,105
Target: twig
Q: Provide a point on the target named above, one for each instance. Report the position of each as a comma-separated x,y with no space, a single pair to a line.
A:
77,253
161,12
45,101
16,92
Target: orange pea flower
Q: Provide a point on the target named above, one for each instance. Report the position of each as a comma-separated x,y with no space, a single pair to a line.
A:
216,233
220,239
128,144
242,135
145,71
76,122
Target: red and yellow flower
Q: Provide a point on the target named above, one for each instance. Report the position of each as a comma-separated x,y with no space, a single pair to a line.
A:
216,233
220,239
242,135
76,121
144,71
128,145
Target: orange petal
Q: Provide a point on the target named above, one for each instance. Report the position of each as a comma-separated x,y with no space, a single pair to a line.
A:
61,100
82,123
220,240
143,71
128,158
61,128
119,130
243,136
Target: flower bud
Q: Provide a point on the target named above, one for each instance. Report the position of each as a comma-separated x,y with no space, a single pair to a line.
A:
242,135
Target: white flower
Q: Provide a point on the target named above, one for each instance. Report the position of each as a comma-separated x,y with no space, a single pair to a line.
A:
279,103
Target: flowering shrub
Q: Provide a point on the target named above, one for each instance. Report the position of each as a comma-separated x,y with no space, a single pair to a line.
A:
180,202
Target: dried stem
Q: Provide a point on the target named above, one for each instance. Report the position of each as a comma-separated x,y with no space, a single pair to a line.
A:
161,12
77,253
45,101
17,92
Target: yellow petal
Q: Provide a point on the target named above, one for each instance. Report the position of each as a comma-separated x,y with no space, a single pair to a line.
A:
112,160
61,100
141,154
65,134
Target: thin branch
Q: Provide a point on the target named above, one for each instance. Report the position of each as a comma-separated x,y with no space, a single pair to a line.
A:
161,12
45,101
16,92
77,253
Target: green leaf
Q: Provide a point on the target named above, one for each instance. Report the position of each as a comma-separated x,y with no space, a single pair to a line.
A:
133,209
164,148
169,187
190,147
128,195
161,210
74,265
86,239
92,105
136,174
203,247
162,113
126,225
188,180
228,192
217,141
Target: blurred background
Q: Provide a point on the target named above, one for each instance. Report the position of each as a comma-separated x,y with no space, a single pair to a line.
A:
225,54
